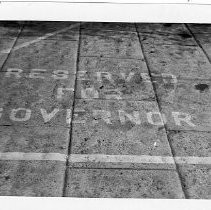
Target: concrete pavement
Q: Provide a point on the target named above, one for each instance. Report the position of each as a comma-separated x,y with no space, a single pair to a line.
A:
105,110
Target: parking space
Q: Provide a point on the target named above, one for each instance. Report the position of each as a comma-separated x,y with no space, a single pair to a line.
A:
105,110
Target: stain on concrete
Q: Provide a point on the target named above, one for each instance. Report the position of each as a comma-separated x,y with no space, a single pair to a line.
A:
185,35
202,87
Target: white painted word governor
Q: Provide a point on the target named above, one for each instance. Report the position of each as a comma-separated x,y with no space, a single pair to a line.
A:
107,116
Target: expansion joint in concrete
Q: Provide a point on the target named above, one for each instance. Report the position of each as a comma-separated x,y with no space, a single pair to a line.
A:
157,100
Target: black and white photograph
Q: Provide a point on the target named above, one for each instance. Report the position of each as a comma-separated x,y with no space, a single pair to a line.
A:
105,109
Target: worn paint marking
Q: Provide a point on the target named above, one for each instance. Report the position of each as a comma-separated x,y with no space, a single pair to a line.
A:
77,158
33,156
101,158
26,44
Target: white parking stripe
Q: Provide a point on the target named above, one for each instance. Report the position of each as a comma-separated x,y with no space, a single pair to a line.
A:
26,44
77,158
32,156
193,160
100,158
121,159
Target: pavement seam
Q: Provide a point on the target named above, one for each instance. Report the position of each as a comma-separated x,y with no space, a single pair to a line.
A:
72,116
119,100
124,169
123,33
87,30
198,42
165,127
107,57
196,131
182,45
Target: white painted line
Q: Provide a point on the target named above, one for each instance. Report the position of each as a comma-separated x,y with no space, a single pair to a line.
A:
26,44
121,159
99,158
193,160
33,156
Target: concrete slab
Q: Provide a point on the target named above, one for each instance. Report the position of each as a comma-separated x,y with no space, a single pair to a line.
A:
196,179
112,183
190,143
43,54
42,100
187,116
200,28
180,61
36,88
9,29
205,41
112,65
118,128
31,178
167,28
36,139
114,79
110,44
5,44
38,29
186,91
184,39
109,26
